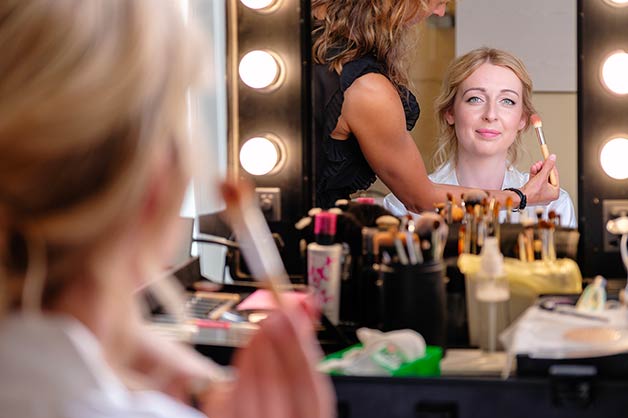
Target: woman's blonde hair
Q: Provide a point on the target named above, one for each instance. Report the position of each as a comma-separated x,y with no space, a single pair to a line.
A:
458,71
92,94
354,28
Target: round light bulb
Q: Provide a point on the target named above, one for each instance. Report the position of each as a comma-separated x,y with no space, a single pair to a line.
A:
618,3
614,72
259,69
258,4
613,158
259,156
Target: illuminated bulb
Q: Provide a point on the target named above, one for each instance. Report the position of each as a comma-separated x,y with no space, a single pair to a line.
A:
614,72
257,4
259,69
259,156
619,3
613,158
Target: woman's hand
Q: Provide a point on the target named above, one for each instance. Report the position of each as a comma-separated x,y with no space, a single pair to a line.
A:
277,376
538,189
168,366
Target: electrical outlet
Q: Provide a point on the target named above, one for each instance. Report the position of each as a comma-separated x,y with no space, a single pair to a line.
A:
611,209
269,200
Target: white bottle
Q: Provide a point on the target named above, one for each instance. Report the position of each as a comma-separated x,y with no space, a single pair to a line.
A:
324,266
492,291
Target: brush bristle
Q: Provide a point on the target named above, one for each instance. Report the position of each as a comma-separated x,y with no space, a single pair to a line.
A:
474,197
425,223
536,121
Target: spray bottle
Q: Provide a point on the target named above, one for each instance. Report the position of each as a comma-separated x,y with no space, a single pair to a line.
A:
492,286
324,265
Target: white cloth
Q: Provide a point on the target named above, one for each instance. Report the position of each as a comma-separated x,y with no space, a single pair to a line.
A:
545,334
563,206
53,367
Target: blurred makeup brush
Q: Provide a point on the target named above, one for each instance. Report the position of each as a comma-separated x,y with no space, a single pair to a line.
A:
538,128
256,242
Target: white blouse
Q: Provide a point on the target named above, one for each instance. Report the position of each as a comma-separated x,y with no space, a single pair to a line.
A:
53,367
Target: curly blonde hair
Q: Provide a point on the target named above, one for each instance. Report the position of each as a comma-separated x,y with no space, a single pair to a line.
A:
92,94
354,28
458,71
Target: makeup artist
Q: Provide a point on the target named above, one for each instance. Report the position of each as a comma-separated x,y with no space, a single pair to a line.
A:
484,106
94,162
363,110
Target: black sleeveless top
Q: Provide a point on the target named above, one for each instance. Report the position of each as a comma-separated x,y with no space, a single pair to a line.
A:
341,168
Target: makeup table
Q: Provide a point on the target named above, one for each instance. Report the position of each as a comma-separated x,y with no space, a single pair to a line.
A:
470,385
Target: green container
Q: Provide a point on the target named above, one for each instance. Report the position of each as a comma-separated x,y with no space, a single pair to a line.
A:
426,366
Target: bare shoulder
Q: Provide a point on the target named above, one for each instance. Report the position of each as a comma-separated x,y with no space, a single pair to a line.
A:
371,85
372,95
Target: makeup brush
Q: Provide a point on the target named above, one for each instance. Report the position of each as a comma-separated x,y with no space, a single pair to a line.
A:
538,127
450,206
256,242
508,208
432,231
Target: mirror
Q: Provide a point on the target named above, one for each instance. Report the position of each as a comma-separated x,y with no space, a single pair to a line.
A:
435,48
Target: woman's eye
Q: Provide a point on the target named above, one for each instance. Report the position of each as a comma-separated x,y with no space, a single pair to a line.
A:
474,99
509,102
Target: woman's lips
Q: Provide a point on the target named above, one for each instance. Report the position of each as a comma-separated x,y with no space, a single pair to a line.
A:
487,133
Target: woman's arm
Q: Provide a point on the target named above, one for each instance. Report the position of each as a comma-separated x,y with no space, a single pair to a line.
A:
374,113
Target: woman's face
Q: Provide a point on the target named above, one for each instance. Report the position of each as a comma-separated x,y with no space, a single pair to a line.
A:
488,112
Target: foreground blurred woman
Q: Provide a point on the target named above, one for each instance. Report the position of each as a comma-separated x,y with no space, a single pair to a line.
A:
93,166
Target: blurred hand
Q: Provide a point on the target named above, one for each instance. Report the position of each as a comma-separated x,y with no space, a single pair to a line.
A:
168,366
277,376
538,189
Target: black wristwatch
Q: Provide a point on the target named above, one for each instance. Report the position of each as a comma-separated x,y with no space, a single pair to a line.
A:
523,200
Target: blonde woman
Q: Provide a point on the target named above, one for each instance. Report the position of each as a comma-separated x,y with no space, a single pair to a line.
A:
484,106
363,109
93,166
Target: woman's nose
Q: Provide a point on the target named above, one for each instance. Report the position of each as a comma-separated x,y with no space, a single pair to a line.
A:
489,113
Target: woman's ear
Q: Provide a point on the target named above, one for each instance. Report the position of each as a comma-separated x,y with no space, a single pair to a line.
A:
161,198
154,198
160,225
522,122
449,117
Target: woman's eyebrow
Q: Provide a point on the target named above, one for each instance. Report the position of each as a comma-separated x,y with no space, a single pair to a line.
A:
483,90
480,89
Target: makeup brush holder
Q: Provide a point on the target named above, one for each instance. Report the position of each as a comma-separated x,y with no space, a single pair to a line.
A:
413,296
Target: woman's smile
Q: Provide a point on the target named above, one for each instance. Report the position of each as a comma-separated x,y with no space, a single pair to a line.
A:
488,133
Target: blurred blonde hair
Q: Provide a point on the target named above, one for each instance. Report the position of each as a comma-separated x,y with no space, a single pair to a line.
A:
458,71
354,28
92,94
